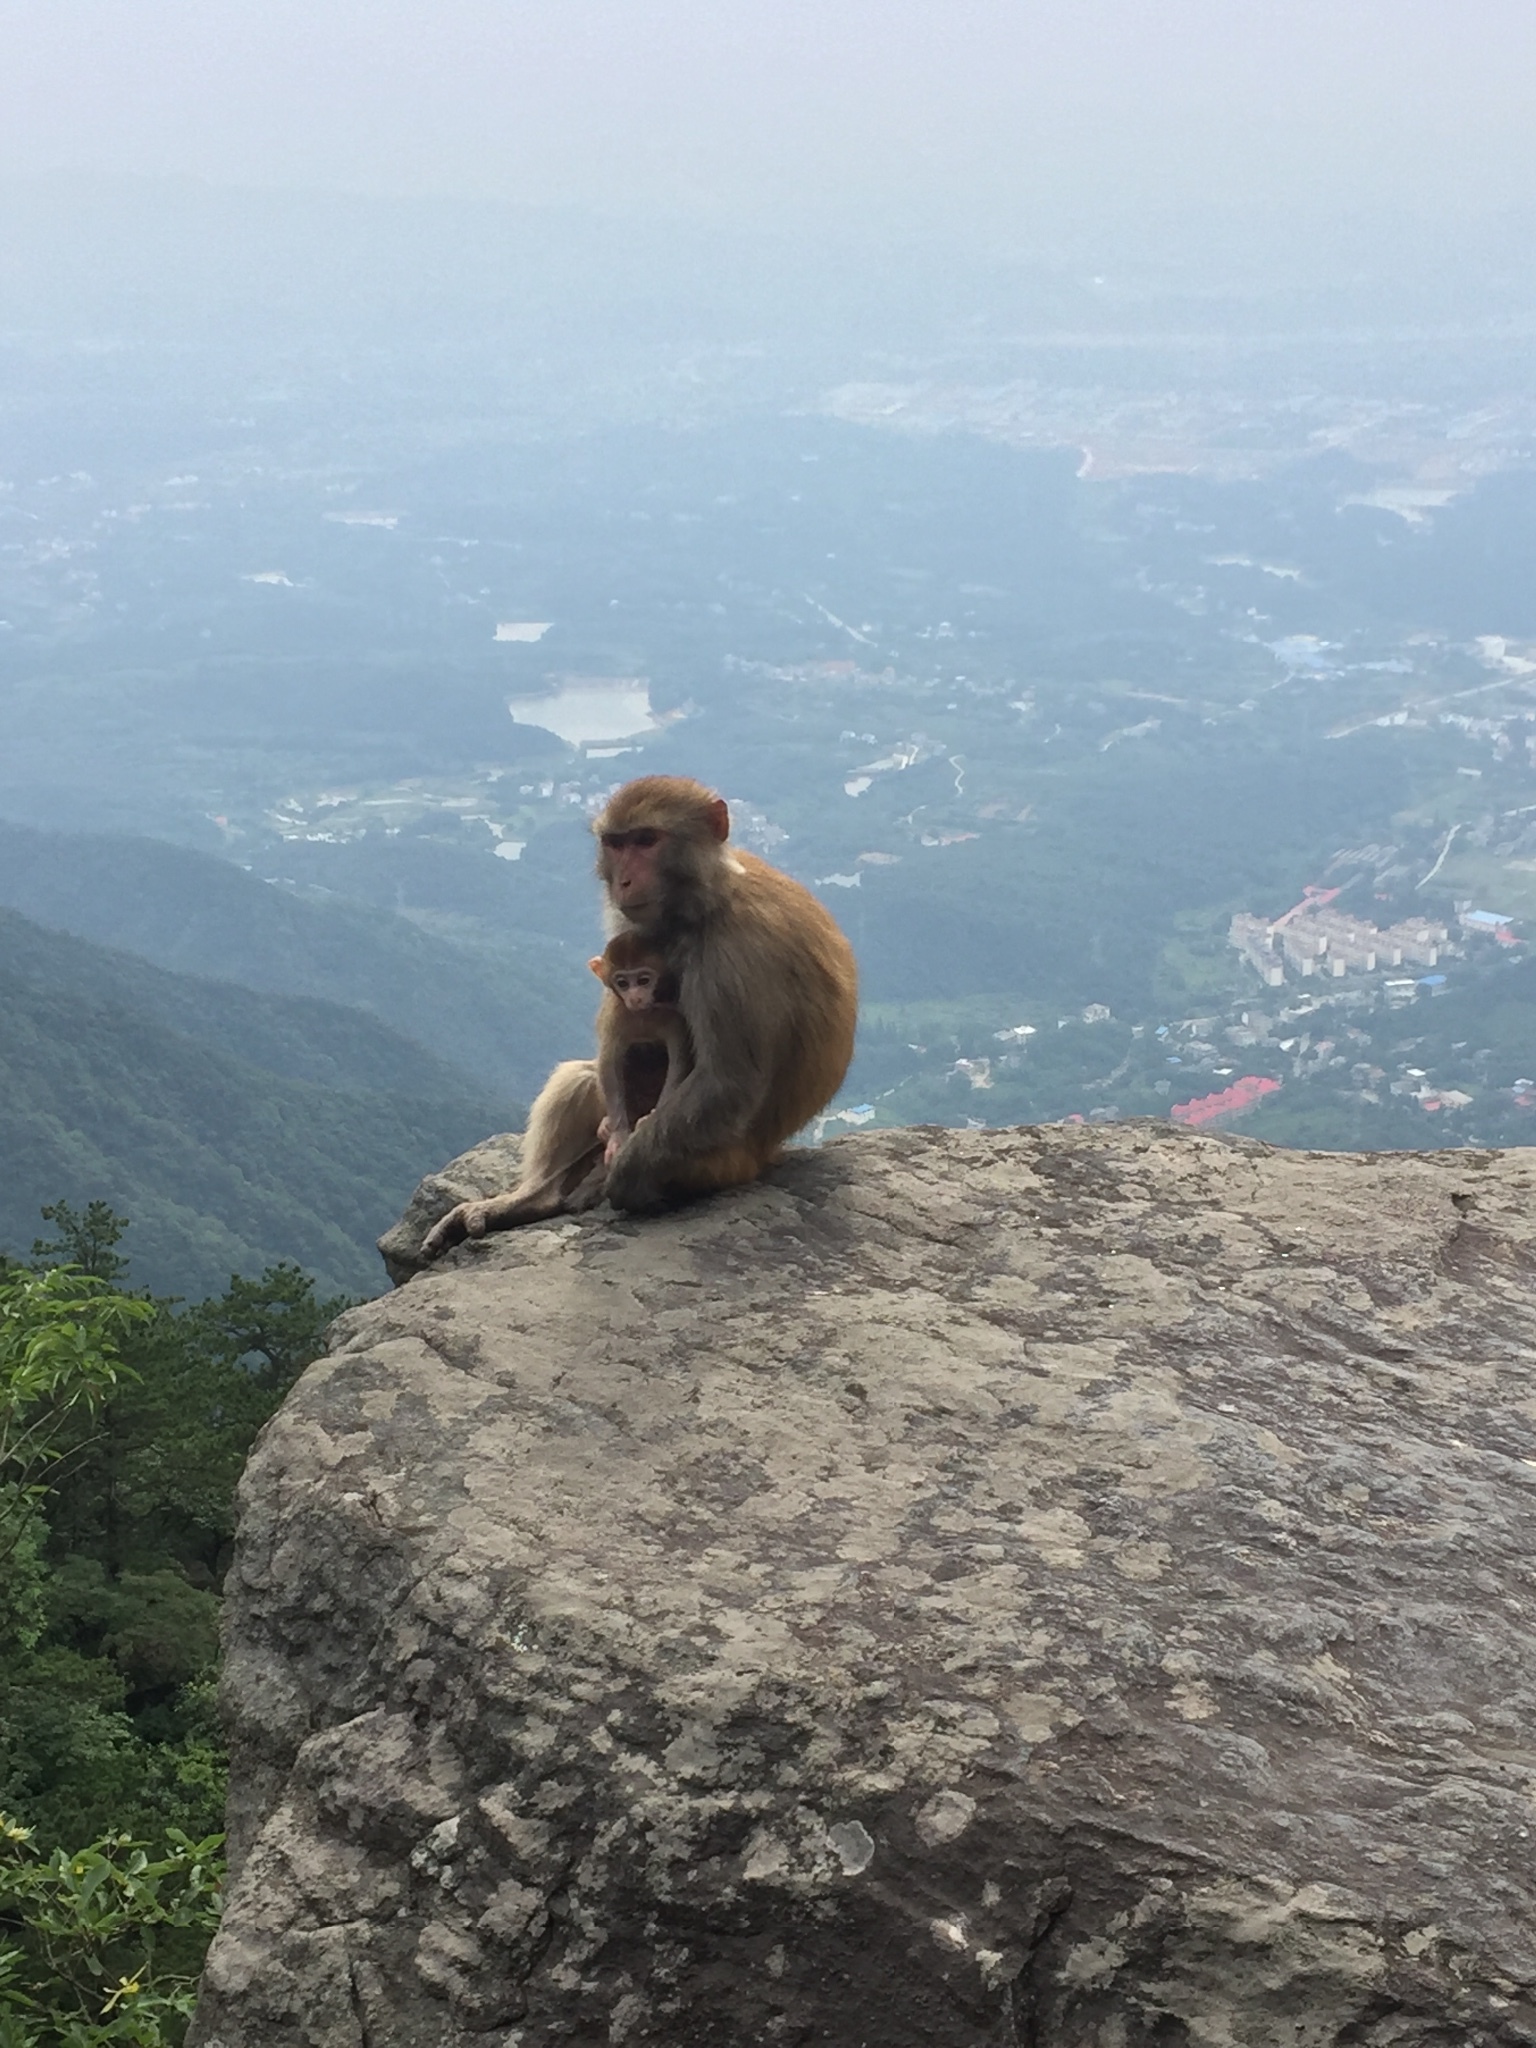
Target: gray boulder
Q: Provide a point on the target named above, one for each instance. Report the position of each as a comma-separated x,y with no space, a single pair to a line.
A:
1066,1586
488,1169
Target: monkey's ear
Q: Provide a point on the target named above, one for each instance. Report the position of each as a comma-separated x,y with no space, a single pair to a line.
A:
719,817
596,965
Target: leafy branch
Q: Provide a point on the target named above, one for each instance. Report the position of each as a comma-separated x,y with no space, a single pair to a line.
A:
82,1934
60,1333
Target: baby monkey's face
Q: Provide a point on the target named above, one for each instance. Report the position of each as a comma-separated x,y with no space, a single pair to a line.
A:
635,987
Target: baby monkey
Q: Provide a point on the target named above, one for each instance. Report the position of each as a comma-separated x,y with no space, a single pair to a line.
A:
643,1046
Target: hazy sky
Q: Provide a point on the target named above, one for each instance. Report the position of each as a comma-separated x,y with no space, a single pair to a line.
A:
933,110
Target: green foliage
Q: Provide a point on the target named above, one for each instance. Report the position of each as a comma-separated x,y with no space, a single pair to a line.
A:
158,1476
155,1627
77,1763
22,1572
102,1945
60,1332
88,1239
124,1422
271,1327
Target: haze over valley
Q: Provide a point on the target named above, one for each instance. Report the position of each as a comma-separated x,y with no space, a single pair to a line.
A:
1045,636
1065,476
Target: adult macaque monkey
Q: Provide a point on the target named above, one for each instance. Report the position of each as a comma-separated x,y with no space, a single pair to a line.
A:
766,986
643,1048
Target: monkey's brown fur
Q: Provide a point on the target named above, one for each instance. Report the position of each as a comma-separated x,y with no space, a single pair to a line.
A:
767,987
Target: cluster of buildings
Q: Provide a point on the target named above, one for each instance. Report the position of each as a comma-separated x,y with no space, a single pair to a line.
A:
1426,454
1315,941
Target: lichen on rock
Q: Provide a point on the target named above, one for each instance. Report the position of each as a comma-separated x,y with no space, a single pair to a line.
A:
1050,1586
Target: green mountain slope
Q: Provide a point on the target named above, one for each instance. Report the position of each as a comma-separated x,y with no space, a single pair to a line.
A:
300,1038
223,1164
502,1021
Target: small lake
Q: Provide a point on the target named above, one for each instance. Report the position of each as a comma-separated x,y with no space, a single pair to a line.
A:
590,708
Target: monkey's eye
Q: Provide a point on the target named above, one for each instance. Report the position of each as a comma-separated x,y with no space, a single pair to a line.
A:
645,837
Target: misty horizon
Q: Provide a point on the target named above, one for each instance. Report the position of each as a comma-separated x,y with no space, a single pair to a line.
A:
1010,131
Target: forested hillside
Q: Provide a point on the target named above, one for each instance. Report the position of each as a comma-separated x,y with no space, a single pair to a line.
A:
502,1021
299,1141
303,1038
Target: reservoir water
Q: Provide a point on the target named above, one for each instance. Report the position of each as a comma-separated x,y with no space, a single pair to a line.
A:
586,709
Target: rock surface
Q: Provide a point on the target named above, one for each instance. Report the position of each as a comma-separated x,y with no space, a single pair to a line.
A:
1041,1586
490,1169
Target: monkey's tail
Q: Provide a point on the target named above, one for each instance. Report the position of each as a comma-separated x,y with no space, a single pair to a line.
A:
560,1145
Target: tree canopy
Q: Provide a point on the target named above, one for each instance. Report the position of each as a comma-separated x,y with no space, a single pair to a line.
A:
125,1419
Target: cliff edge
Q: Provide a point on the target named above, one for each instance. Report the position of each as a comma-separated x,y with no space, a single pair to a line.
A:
1040,1586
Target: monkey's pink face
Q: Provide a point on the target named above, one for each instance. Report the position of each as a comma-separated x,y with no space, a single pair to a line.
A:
631,868
635,987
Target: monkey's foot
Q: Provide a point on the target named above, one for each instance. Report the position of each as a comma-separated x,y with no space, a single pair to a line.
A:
496,1212
467,1220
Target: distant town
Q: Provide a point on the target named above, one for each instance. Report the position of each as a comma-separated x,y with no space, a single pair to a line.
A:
1314,940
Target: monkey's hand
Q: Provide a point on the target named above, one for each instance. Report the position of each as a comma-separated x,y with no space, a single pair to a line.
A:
470,1219
618,1138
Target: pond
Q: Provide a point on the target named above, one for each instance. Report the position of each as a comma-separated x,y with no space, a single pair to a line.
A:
589,708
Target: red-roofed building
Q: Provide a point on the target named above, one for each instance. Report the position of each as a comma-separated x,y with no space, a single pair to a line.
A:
1243,1095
